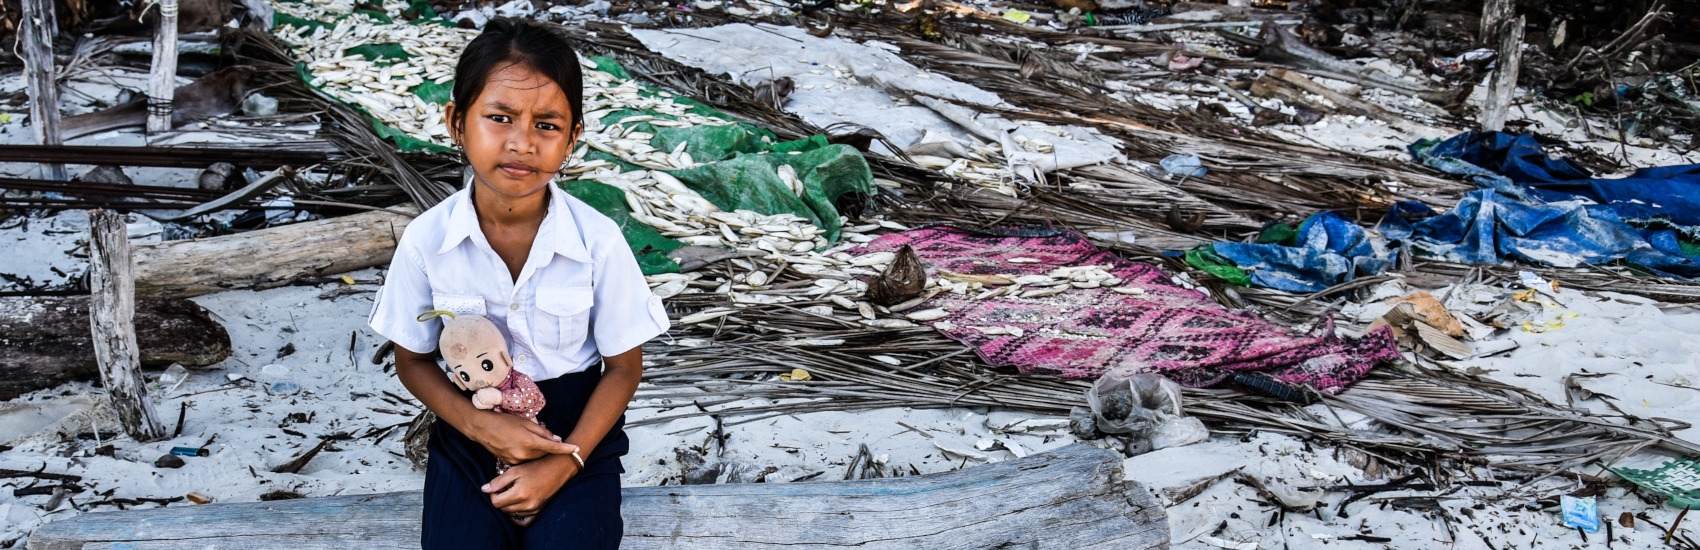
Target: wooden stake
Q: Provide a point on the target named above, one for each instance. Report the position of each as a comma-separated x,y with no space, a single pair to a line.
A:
36,32
112,310
162,78
1500,28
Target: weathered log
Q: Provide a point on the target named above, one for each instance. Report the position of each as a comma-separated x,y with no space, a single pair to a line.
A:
1506,34
269,257
36,33
46,341
162,75
112,315
165,157
1073,497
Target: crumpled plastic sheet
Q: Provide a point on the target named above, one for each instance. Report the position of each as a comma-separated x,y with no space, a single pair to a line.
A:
1330,250
1549,212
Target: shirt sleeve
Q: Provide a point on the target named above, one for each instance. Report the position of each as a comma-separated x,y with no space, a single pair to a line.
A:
624,313
406,294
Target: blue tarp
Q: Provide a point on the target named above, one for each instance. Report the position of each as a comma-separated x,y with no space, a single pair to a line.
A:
1550,212
1667,193
1330,250
1532,208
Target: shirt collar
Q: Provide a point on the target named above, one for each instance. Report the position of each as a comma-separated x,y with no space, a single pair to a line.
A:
559,232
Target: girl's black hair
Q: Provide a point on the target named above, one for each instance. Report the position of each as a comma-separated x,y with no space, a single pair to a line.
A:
508,41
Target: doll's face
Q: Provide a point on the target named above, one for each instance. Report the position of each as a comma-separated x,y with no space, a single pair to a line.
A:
476,353
481,369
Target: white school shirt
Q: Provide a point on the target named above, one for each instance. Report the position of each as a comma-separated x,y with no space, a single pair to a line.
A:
579,297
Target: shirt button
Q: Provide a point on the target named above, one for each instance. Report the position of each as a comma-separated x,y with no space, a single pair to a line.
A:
521,358
513,306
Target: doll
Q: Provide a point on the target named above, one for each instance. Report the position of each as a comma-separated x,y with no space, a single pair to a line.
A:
477,357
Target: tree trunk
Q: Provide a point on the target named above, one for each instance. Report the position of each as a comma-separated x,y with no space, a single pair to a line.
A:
47,341
162,77
1068,498
112,312
269,257
36,32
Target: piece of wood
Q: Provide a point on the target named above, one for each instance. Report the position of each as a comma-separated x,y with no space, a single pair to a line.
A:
246,193
1503,84
1069,498
112,313
45,341
258,158
162,76
290,253
36,32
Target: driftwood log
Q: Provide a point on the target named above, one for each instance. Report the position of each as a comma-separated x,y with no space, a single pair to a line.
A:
269,257
46,341
112,320
1069,498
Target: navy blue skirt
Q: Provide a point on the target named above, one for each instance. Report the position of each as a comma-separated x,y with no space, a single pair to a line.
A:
585,513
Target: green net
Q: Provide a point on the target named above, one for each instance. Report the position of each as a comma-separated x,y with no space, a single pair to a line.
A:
1207,260
1677,480
649,245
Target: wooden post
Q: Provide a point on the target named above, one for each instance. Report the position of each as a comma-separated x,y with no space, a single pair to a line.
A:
36,32
1506,33
162,78
112,312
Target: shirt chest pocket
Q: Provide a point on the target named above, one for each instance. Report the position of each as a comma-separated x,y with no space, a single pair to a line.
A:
561,320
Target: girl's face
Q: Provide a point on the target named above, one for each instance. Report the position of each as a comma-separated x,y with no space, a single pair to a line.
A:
518,131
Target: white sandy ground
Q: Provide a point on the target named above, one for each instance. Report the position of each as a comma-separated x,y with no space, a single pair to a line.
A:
1643,345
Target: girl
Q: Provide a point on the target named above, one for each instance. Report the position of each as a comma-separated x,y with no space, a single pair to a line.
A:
556,276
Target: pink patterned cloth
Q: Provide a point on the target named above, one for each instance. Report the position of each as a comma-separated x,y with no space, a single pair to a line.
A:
520,396
1083,333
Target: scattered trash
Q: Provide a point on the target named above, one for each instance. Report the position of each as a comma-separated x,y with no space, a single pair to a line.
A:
1183,165
1143,406
1677,480
277,380
257,105
190,451
1580,513
796,375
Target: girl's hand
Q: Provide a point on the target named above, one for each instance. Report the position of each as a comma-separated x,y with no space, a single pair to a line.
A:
522,491
515,440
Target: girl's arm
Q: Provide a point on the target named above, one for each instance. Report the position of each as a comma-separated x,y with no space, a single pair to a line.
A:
524,489
512,439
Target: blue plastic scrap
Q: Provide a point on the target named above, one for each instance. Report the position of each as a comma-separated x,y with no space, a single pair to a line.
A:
1330,250
1183,165
1580,513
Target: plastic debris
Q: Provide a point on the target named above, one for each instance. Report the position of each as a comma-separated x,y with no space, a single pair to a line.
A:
1678,481
1184,165
190,451
258,105
173,377
1580,513
1144,406
278,381
198,497
796,375
1017,16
